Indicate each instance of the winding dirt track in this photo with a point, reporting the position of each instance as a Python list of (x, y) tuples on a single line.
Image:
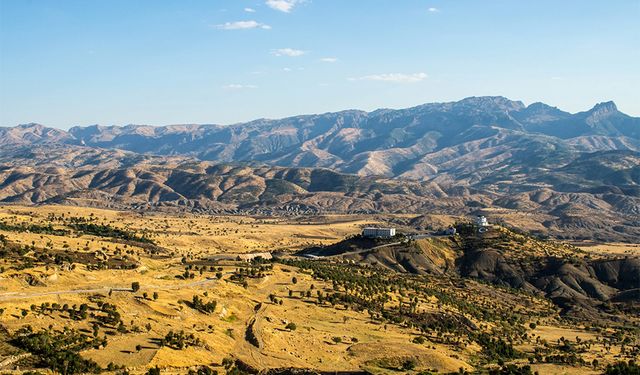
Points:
[(362, 250), (414, 237), (17, 295)]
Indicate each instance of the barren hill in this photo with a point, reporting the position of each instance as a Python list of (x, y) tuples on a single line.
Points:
[(578, 174)]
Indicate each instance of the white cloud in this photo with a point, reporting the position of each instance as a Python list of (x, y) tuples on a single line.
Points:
[(243, 25), (433, 10), (249, 10), (329, 59), (282, 5), (286, 69), (237, 86), (290, 52), (393, 77)]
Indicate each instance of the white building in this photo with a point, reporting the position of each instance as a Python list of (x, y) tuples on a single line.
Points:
[(481, 221), (372, 232)]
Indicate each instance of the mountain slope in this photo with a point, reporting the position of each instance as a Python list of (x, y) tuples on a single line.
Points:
[(417, 143), (126, 179), (601, 204), (577, 283), (578, 174)]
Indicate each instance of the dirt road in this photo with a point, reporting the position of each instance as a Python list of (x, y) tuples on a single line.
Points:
[(105, 289)]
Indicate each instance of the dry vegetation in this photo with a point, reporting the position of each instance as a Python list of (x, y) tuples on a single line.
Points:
[(97, 290)]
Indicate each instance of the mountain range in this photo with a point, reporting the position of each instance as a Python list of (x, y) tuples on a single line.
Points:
[(579, 172), (419, 143)]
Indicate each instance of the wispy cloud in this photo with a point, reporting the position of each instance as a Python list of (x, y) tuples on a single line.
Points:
[(288, 69), (282, 5), (393, 77), (243, 25), (329, 59), (433, 10), (249, 10), (237, 86), (290, 52)]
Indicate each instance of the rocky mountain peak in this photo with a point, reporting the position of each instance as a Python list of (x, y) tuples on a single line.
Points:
[(33, 126), (601, 113), (497, 102), (540, 107), (604, 108)]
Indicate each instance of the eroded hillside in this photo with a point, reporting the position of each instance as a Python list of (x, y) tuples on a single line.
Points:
[(565, 203)]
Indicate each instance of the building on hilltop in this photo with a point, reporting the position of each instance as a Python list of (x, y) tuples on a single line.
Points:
[(371, 232), (482, 221)]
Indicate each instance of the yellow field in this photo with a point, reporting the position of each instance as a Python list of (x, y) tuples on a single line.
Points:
[(200, 234), (326, 338), (310, 345), (624, 249), (197, 236)]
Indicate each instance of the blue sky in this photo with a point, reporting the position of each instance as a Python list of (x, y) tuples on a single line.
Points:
[(66, 63)]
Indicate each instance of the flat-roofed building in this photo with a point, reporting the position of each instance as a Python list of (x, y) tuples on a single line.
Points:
[(372, 232), (482, 221)]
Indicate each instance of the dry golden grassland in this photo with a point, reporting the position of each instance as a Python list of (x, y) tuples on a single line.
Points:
[(249, 322), (200, 234), (623, 249), (223, 332)]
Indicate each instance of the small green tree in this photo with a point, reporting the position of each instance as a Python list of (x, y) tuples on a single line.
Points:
[(291, 326), (228, 362), (135, 286), (409, 364)]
